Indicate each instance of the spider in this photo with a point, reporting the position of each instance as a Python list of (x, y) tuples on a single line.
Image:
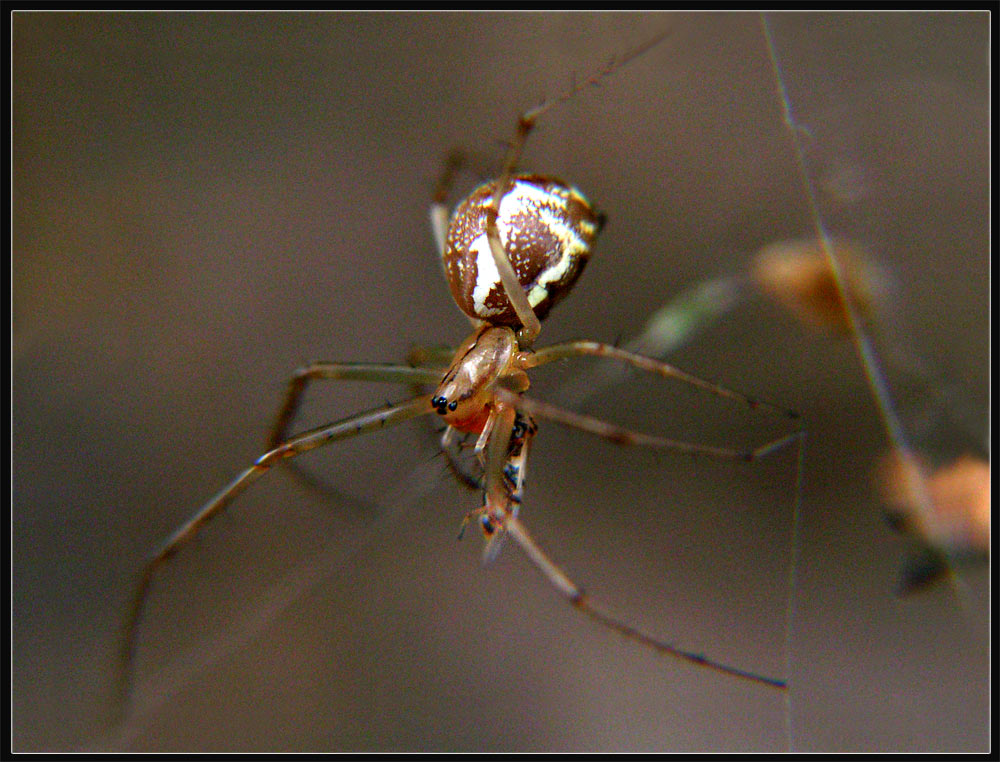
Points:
[(510, 251)]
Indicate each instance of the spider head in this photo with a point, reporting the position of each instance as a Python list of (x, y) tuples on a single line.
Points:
[(487, 358)]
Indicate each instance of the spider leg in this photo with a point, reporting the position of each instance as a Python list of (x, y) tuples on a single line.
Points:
[(484, 436), (439, 226), (501, 511), (530, 326), (658, 367), (439, 214), (514, 472), (623, 436), (438, 357), (482, 443), (439, 209), (451, 447), (378, 372), (499, 506), (361, 423), (575, 595)]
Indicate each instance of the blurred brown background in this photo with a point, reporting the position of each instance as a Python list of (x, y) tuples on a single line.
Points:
[(204, 201)]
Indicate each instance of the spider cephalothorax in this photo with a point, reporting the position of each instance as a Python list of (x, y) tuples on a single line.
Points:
[(489, 357)]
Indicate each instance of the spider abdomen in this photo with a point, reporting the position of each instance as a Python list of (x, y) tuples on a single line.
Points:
[(547, 229)]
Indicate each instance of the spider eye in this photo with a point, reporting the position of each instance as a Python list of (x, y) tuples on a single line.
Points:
[(452, 405), (487, 525)]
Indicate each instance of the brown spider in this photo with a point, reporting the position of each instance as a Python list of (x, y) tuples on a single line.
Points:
[(511, 250)]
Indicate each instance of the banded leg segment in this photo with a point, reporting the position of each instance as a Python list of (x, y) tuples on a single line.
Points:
[(309, 440), (628, 437), (575, 595), (530, 326), (502, 512), (571, 349), (378, 372), (498, 506)]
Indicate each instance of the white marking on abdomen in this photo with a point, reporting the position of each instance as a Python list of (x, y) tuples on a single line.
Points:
[(487, 276)]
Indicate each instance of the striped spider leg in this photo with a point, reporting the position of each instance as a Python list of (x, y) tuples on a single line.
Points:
[(361, 423), (503, 446), (483, 393), (500, 515)]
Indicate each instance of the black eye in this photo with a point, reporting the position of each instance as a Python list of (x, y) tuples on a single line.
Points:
[(452, 406)]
